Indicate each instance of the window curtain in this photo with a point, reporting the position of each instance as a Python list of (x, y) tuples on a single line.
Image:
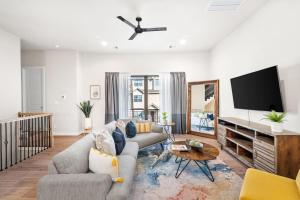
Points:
[(165, 95), (124, 102), (111, 96), (178, 101)]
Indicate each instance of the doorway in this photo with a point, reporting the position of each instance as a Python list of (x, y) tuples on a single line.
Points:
[(33, 89)]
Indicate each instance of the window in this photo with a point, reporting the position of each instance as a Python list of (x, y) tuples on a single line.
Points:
[(144, 97), (138, 83), (137, 98)]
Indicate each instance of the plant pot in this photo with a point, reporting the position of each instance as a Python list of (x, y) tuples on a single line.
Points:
[(276, 127), (87, 123)]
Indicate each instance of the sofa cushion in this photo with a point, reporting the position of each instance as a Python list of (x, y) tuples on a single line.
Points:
[(121, 191), (263, 185), (130, 130), (75, 159), (131, 149), (148, 139), (120, 141)]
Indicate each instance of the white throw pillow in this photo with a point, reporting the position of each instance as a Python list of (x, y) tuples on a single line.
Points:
[(110, 127), (105, 143), (122, 126), (102, 163)]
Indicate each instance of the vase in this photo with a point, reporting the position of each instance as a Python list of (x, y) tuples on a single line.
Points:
[(87, 123), (165, 121), (276, 127)]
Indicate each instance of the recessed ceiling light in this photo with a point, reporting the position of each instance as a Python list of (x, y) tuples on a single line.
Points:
[(171, 46), (104, 43), (57, 46), (182, 41), (116, 47)]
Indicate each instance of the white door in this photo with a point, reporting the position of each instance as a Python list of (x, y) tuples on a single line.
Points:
[(33, 89)]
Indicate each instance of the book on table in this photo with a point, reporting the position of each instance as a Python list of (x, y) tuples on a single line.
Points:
[(179, 147)]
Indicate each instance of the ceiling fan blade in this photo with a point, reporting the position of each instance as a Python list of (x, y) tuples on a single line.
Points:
[(133, 36), (125, 21), (154, 29)]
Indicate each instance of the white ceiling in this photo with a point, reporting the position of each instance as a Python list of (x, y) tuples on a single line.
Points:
[(83, 24)]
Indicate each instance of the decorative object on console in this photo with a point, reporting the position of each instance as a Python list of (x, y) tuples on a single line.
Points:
[(102, 163), (105, 142), (119, 139), (86, 108), (130, 129), (276, 120), (95, 92)]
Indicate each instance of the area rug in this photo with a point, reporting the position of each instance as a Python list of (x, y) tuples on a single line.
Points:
[(159, 182)]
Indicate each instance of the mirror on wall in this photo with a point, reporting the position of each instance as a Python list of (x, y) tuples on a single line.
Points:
[(203, 108)]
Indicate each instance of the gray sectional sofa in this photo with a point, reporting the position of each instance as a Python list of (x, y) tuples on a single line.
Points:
[(69, 177)]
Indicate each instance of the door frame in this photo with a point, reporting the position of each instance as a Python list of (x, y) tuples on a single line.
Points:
[(24, 107), (216, 107)]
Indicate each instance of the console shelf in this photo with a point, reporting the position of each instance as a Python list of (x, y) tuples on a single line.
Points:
[(255, 145)]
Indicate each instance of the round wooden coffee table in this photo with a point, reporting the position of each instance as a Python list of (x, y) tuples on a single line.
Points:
[(200, 158)]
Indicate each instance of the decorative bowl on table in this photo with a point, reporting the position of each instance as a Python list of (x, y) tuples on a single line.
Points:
[(194, 144)]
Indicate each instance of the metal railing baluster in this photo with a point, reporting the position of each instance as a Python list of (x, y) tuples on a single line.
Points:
[(11, 149), (5, 142), (1, 147), (16, 142)]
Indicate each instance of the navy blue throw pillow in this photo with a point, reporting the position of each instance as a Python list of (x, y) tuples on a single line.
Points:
[(119, 140), (130, 129)]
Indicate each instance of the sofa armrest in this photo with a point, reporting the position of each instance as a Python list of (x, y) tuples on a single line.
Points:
[(157, 128), (74, 187)]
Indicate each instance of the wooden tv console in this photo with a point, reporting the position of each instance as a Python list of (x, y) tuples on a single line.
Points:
[(257, 146)]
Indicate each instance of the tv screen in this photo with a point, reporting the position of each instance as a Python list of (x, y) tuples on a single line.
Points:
[(259, 90)]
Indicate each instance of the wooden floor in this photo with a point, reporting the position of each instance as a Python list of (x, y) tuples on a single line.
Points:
[(19, 182)]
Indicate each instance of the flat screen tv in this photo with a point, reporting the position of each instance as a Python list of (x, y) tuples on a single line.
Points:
[(259, 90)]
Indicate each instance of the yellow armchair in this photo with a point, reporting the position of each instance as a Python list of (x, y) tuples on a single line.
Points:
[(260, 185)]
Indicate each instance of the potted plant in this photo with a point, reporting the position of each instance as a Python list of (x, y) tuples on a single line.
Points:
[(86, 108), (276, 120), (164, 117)]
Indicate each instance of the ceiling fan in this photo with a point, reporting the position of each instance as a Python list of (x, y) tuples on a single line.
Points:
[(138, 29)]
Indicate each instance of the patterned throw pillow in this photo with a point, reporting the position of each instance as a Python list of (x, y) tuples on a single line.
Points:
[(120, 141), (143, 127), (102, 163), (130, 130), (105, 142)]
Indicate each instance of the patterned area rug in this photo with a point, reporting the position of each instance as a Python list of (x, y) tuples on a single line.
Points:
[(160, 182)]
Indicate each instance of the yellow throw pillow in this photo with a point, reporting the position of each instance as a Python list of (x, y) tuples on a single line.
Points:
[(143, 127), (102, 163)]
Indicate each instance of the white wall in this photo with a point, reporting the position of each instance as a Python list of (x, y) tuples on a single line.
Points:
[(61, 80), (270, 37), (10, 75), (71, 74), (94, 66)]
